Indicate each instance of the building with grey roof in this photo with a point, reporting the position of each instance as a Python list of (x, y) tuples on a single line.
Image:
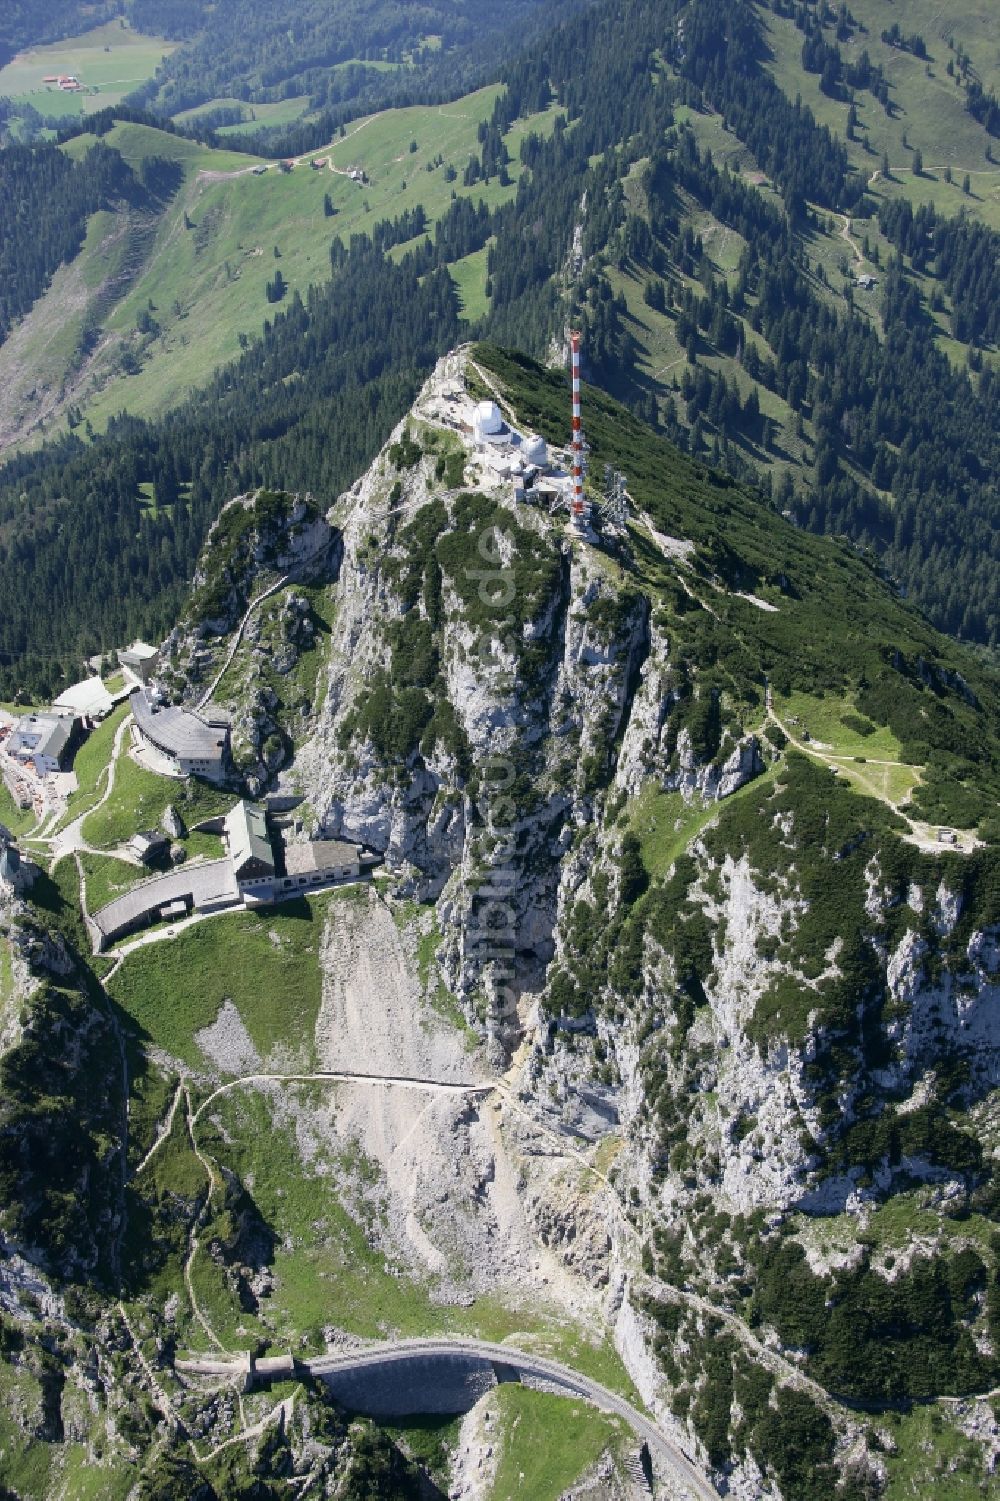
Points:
[(140, 660), (249, 845), (332, 856), (203, 886), (196, 746), (320, 863), (247, 876), (41, 740)]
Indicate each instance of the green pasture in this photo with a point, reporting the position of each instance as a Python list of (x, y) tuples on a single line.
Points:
[(228, 231), (110, 61), (266, 964), (547, 1442), (928, 107), (139, 799)]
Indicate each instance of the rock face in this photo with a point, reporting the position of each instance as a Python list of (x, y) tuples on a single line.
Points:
[(694, 1044), (62, 1110), (172, 823), (772, 1027), (250, 638), (487, 681)]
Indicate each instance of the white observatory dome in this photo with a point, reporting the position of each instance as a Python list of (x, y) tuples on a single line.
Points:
[(487, 419), (535, 451)]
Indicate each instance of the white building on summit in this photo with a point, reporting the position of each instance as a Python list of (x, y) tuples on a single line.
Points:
[(487, 423), (195, 746)]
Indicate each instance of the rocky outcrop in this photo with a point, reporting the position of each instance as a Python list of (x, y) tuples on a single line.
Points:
[(732, 1027), (549, 684), (62, 1110), (258, 542)]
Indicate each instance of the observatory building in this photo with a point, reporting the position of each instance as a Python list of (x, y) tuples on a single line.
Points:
[(488, 425)]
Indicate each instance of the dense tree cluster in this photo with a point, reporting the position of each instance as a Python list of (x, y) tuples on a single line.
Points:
[(720, 53), (893, 407), (983, 105), (305, 408), (889, 415), (869, 1338), (44, 206), (964, 257), (253, 52), (837, 78), (25, 23), (894, 36)]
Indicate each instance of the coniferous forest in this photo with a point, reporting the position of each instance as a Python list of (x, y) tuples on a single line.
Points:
[(906, 443)]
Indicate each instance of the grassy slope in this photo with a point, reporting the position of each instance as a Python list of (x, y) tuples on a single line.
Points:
[(838, 251), (930, 106), (139, 799), (107, 878), (89, 763), (326, 1269), (929, 113), (546, 1443), (110, 61), (18, 820), (205, 284), (318, 1203), (173, 989)]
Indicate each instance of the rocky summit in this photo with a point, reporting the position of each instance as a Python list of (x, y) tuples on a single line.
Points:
[(650, 1031)]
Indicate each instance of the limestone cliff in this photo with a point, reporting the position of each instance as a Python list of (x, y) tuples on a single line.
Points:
[(782, 1007)]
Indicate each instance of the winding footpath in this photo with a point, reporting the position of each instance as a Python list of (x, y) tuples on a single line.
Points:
[(254, 605), (70, 839), (923, 835)]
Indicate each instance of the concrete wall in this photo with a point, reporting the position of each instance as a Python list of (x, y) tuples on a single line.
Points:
[(440, 1381), (422, 1383)]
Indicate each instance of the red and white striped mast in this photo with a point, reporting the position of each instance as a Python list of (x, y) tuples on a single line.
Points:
[(578, 510)]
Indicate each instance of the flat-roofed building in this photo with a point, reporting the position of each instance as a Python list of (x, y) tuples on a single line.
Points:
[(317, 863), (193, 745), (41, 740), (89, 698), (203, 886)]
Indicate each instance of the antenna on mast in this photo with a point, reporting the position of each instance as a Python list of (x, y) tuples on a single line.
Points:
[(579, 510)]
